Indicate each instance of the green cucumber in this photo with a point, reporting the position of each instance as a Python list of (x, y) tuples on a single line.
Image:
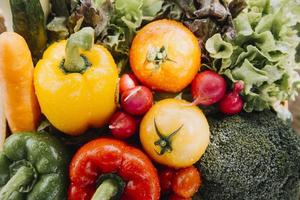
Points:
[(29, 22)]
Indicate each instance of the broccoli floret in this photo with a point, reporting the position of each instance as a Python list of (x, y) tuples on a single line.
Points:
[(251, 156)]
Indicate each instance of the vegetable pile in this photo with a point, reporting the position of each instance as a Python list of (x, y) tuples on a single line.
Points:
[(149, 99)]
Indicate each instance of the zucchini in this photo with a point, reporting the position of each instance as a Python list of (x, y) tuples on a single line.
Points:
[(29, 22)]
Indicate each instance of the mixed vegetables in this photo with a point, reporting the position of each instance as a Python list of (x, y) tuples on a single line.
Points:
[(149, 99)]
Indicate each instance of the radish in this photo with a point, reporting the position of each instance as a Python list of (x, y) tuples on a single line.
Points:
[(232, 103), (122, 125), (208, 87), (127, 82), (137, 101)]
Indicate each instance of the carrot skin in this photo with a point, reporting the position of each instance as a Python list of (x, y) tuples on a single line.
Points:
[(16, 80)]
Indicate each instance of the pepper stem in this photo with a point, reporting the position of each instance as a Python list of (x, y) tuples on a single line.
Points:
[(111, 187), (23, 177), (81, 40)]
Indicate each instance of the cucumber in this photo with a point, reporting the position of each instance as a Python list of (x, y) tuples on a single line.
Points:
[(29, 22)]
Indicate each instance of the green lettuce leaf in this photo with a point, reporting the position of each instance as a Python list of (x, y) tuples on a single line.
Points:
[(262, 55), (218, 48)]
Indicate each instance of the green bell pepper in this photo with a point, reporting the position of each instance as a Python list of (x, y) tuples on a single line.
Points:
[(33, 166)]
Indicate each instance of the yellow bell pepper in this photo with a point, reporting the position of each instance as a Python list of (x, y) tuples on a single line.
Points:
[(75, 83)]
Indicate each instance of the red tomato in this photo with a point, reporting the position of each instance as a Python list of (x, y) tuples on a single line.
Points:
[(186, 182)]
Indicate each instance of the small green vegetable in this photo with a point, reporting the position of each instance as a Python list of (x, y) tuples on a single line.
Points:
[(29, 22), (251, 156), (33, 166)]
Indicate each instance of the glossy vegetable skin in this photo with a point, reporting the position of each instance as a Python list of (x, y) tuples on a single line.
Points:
[(33, 166), (105, 156), (174, 133), (186, 182), (165, 56), (137, 101), (16, 81), (165, 177), (127, 82), (232, 103), (122, 125), (80, 92), (207, 88), (183, 183), (29, 22)]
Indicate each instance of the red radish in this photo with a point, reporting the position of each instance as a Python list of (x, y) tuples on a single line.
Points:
[(127, 82), (208, 87), (232, 103), (122, 125), (137, 101)]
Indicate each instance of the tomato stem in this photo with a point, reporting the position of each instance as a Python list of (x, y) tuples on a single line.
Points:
[(157, 56), (165, 142), (81, 40)]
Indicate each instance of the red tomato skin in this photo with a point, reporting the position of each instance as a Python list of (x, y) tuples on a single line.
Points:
[(186, 182)]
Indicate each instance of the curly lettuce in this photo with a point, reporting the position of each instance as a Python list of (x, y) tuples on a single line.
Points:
[(262, 54)]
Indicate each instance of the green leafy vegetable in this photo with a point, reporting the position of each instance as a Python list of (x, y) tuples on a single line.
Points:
[(207, 17), (115, 22), (262, 54)]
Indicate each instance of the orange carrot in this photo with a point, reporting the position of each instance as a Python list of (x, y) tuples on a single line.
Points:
[(16, 80)]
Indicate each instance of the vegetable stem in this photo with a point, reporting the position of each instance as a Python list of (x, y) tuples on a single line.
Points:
[(106, 191), (158, 55), (81, 40), (23, 177)]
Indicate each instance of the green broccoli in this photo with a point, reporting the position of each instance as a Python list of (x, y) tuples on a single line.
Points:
[(251, 156)]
